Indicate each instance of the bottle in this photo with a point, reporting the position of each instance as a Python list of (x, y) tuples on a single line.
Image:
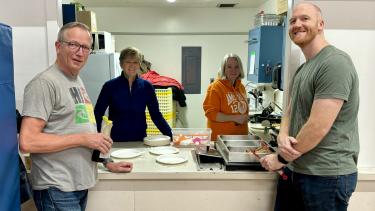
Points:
[(106, 130)]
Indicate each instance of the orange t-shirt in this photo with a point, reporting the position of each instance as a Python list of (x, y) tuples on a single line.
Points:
[(223, 97)]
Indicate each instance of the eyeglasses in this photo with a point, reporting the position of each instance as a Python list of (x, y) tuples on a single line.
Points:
[(75, 46)]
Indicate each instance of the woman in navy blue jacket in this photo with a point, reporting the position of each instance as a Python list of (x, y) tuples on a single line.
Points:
[(126, 98)]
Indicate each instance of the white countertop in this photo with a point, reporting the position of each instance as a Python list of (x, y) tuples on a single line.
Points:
[(147, 162), (146, 167)]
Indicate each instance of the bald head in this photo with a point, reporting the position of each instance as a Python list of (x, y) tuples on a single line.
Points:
[(316, 9), (306, 28)]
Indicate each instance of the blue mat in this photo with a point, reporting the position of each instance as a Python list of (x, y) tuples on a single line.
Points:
[(9, 168)]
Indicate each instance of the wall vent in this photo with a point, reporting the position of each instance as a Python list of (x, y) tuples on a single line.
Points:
[(226, 5)]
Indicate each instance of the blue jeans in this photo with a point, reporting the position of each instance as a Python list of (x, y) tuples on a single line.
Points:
[(53, 199), (316, 193)]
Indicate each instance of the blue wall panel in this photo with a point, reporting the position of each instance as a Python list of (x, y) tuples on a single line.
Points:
[(9, 169)]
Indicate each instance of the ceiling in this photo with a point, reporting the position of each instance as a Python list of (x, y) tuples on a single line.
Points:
[(163, 3)]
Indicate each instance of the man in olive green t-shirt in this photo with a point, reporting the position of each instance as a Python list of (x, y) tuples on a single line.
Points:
[(318, 139)]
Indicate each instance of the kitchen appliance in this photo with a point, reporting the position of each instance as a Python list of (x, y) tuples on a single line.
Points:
[(265, 50), (102, 42), (266, 115), (235, 149), (99, 69)]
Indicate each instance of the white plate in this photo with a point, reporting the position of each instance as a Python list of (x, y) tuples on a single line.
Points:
[(163, 150), (126, 153), (171, 159), (157, 140)]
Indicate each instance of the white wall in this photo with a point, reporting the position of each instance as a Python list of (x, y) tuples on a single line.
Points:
[(172, 20), (29, 56), (161, 32), (165, 54), (269, 7), (34, 30), (360, 45)]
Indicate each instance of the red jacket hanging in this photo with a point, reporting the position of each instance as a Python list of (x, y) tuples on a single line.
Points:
[(159, 80)]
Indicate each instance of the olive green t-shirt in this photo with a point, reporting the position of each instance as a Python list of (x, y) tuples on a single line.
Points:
[(329, 75)]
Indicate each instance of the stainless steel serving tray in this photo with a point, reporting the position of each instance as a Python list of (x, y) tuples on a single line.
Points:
[(234, 148)]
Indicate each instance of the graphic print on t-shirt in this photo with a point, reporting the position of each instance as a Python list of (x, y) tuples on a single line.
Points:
[(236, 102), (84, 111)]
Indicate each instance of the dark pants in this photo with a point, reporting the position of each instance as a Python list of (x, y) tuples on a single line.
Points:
[(316, 193), (53, 199)]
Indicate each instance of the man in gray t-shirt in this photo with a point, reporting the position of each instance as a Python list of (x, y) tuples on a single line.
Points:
[(318, 139), (59, 128)]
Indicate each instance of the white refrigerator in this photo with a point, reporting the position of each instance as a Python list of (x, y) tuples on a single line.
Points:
[(99, 69)]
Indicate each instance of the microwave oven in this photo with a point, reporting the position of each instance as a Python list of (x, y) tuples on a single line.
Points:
[(102, 42)]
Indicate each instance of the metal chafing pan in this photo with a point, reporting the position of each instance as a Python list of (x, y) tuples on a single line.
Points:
[(235, 148)]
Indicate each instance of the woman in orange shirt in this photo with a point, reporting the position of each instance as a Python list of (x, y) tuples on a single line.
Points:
[(225, 105)]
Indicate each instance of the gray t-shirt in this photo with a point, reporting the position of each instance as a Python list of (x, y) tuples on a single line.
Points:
[(63, 103), (329, 75)]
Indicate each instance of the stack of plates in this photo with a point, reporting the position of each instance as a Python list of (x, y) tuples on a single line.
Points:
[(157, 140)]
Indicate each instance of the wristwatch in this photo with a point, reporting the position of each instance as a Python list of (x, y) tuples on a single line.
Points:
[(281, 159), (106, 161)]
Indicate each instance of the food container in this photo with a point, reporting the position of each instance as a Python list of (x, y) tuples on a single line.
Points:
[(192, 137), (236, 148)]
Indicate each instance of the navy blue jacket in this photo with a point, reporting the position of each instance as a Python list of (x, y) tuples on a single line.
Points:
[(127, 109)]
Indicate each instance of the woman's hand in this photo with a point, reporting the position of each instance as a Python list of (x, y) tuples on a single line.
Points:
[(241, 119)]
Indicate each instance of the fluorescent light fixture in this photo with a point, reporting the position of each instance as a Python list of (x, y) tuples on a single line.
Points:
[(171, 1)]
